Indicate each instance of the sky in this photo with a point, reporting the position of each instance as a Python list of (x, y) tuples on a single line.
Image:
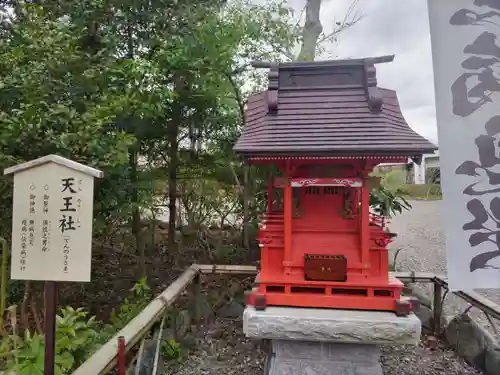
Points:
[(390, 27)]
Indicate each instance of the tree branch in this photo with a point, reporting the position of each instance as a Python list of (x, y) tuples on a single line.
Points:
[(312, 30), (238, 97), (351, 18)]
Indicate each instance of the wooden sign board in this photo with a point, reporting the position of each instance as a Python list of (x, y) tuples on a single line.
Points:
[(52, 220)]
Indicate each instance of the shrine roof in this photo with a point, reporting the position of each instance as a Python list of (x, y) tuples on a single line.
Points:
[(329, 108)]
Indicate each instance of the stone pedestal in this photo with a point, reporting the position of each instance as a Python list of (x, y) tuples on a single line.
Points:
[(311, 358), (327, 342)]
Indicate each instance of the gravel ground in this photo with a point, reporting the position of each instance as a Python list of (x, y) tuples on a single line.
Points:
[(421, 236), (420, 360), (223, 349)]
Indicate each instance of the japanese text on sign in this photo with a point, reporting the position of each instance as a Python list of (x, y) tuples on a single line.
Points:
[(24, 254), (69, 217)]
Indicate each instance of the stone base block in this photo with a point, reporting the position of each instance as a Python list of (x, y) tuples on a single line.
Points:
[(328, 325), (316, 358)]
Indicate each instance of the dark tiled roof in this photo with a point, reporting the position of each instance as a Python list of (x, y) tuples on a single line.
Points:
[(327, 108)]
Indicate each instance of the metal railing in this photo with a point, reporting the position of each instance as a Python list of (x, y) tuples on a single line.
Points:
[(152, 317)]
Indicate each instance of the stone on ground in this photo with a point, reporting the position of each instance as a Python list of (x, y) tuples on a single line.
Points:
[(230, 310)]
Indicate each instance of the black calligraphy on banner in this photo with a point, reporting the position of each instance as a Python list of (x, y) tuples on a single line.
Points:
[(471, 17), (468, 17), (473, 89), (486, 227), (470, 92), (486, 222), (488, 159)]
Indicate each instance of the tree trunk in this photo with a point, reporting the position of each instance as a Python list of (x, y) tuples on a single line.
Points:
[(312, 31), (24, 305), (134, 181), (136, 217), (3, 279), (173, 156)]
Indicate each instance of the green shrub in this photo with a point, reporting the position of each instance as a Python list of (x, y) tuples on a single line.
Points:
[(394, 179), (172, 349), (227, 252), (15, 291), (387, 203), (77, 337), (140, 295), (422, 191)]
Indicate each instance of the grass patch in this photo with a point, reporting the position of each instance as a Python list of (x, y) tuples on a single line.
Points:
[(392, 180), (424, 191), (395, 181)]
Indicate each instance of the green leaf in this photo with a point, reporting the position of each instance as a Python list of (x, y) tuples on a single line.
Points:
[(65, 360)]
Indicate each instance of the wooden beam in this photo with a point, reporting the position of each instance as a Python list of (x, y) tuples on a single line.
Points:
[(226, 269), (104, 359), (482, 303)]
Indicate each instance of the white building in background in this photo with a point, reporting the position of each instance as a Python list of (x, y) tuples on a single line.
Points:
[(419, 171), (417, 174)]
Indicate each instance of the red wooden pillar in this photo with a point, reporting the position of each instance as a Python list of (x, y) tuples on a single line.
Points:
[(287, 213), (365, 227)]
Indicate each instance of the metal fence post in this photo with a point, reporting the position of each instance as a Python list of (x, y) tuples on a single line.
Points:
[(437, 308), (196, 302)]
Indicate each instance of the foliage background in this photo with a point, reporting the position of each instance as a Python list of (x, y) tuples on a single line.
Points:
[(152, 93)]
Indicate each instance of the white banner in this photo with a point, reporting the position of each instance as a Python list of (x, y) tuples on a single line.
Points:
[(465, 38)]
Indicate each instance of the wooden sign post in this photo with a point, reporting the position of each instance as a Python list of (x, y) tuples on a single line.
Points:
[(52, 229)]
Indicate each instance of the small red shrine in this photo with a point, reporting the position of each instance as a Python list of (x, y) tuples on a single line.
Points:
[(325, 125)]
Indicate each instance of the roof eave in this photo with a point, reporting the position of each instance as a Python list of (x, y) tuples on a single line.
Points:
[(327, 153), (56, 159)]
